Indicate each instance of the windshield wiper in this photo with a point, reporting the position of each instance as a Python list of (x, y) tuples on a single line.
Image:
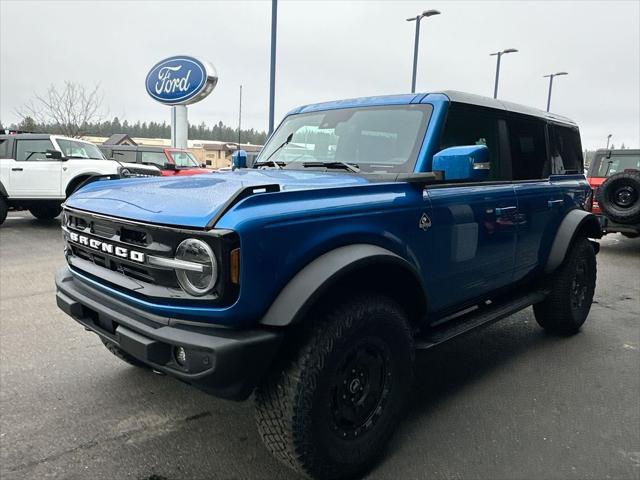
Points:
[(352, 167), (268, 160)]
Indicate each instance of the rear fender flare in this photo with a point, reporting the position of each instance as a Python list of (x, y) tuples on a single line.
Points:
[(576, 223)]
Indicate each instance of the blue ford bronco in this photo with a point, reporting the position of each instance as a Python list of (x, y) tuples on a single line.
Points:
[(366, 229)]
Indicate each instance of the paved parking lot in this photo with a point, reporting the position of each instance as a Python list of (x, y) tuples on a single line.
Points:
[(509, 402)]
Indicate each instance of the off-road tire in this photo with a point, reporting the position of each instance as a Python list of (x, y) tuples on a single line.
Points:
[(4, 208), (47, 211), (297, 405), (122, 355), (572, 287), (619, 197)]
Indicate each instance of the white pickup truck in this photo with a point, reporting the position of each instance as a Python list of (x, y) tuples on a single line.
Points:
[(39, 171)]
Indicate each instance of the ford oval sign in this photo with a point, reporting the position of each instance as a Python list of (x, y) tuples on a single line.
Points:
[(181, 80)]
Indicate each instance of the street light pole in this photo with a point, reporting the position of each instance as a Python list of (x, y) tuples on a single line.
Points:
[(608, 138), (426, 13), (272, 77), (499, 57), (550, 76)]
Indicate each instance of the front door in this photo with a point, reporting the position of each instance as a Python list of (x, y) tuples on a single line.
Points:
[(470, 247), (31, 173)]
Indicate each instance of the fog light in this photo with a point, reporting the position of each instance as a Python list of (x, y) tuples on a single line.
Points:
[(181, 356)]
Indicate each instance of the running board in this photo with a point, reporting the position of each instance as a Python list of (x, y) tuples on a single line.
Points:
[(479, 317)]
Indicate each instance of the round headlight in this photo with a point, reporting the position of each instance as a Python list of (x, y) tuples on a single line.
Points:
[(193, 282)]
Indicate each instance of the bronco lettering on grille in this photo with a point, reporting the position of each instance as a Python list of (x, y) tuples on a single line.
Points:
[(109, 248)]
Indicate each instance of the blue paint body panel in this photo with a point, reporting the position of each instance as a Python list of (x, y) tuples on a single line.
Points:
[(482, 238)]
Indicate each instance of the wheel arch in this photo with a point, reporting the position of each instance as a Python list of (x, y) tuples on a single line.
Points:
[(575, 224), (77, 180), (366, 266), (3, 191)]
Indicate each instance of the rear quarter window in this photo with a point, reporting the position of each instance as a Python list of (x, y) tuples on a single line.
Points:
[(566, 150)]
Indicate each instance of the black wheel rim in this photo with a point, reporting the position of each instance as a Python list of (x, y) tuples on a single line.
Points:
[(579, 286), (360, 388), (624, 196)]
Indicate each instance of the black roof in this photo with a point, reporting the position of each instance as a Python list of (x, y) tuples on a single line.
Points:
[(132, 148)]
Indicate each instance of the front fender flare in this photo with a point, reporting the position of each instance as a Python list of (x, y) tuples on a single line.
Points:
[(295, 299), (575, 222)]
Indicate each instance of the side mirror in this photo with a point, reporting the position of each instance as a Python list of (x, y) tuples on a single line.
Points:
[(469, 163), (203, 165), (169, 166), (239, 159), (54, 155)]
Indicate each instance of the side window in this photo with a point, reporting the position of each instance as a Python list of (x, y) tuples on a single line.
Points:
[(528, 149), (3, 148), (124, 155), (32, 150), (470, 126), (154, 158), (566, 149)]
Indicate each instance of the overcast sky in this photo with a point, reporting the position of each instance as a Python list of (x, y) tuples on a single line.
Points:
[(330, 50)]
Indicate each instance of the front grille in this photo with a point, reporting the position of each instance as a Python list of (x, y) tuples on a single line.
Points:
[(94, 258)]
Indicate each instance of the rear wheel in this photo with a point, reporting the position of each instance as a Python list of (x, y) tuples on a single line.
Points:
[(4, 208), (46, 211), (573, 285), (122, 355), (330, 411)]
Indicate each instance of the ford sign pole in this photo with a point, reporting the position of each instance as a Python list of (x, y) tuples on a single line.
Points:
[(180, 81), (179, 127)]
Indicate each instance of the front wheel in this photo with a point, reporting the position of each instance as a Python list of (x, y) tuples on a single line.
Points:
[(4, 208), (572, 288), (47, 211), (330, 411)]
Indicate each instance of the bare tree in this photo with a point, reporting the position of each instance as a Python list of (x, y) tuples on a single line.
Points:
[(70, 109)]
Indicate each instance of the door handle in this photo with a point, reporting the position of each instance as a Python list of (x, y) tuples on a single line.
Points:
[(553, 203), (505, 210), (17, 169)]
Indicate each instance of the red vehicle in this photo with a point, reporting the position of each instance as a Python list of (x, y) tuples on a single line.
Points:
[(170, 161), (614, 176)]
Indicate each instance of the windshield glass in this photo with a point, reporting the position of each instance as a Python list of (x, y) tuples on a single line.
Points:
[(183, 159), (76, 149), (376, 139), (605, 167)]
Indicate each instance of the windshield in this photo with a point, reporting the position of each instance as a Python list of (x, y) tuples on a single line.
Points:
[(76, 149), (605, 167), (183, 159), (376, 139)]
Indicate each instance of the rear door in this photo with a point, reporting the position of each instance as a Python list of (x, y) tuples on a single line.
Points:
[(31, 173), (541, 200)]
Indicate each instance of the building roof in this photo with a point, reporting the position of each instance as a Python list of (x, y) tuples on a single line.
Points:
[(119, 139)]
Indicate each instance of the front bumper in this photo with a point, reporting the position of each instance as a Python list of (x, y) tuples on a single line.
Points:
[(224, 362), (611, 227)]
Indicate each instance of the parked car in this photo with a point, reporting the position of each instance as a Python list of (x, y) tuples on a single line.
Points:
[(170, 161), (614, 176), (311, 278), (38, 171)]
